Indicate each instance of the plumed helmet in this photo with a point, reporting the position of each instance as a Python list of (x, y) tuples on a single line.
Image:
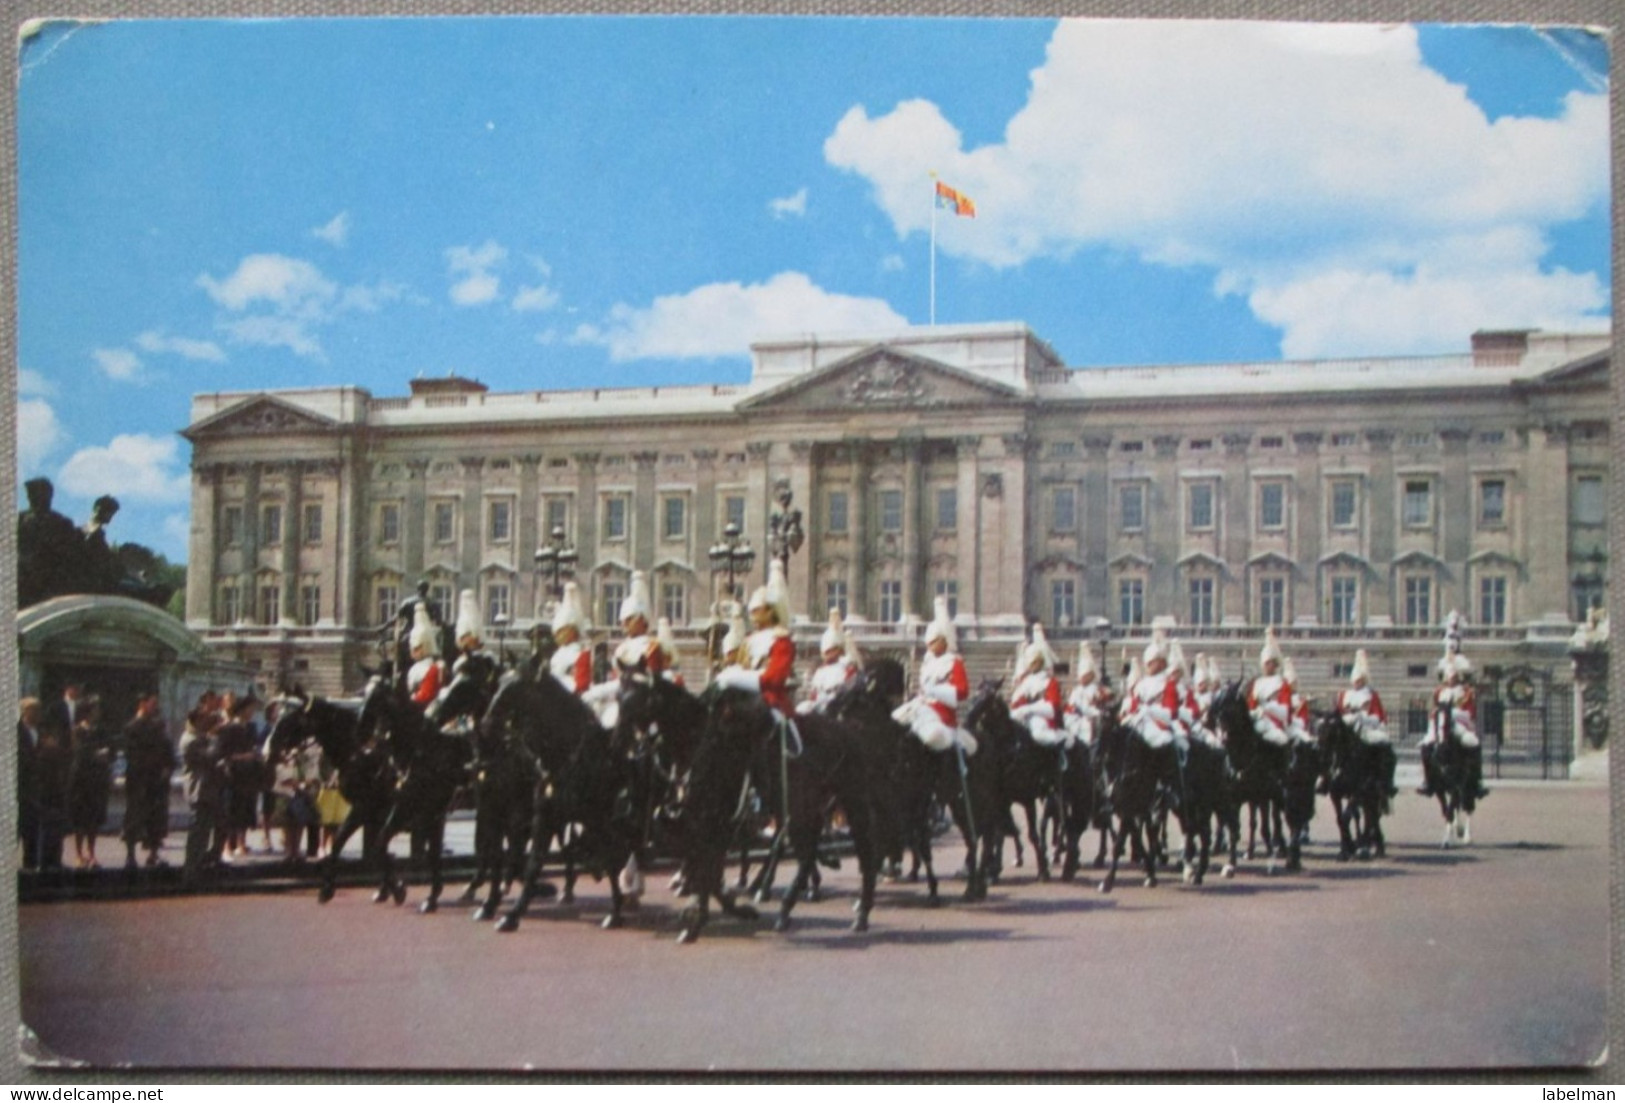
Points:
[(834, 637), (1157, 648), (468, 617), (1289, 673), (424, 635), (569, 614), (1199, 670), (775, 595), (1361, 670), (1215, 676), (1086, 661), (667, 639), (636, 602), (941, 626), (1271, 651), (1135, 673), (1176, 657)]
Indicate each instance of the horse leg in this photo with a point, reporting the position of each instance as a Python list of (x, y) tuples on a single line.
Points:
[(1035, 836), (437, 839), (857, 818), (351, 824), (533, 865), (804, 845), (1118, 833)]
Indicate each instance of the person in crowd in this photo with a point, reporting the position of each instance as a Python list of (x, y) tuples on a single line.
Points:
[(90, 782), (204, 782), (238, 743), (42, 779), (149, 764), (296, 782)]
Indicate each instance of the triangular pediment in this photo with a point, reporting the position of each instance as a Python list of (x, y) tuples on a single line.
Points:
[(884, 378), (260, 416), (1586, 370)]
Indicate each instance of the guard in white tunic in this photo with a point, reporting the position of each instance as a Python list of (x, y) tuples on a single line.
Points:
[(1153, 712), (933, 714), (1269, 698), (1086, 705), (571, 664), (838, 670), (1361, 709), (639, 645), (426, 674), (1036, 702), (1456, 701)]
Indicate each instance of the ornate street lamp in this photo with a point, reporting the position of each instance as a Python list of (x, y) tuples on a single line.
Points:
[(732, 554), (1101, 628), (784, 532), (557, 559), (501, 621)]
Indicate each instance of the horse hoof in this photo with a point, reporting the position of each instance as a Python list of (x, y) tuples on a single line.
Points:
[(1228, 871), (380, 896), (812, 896), (399, 894), (483, 914), (428, 907), (1189, 877), (324, 894), (781, 924), (508, 925), (687, 937), (1104, 887), (860, 924), (611, 922), (1150, 882)]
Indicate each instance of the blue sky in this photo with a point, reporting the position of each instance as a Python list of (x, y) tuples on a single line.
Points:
[(558, 202)]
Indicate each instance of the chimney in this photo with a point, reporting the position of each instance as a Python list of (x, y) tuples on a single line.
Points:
[(1500, 348), (447, 384)]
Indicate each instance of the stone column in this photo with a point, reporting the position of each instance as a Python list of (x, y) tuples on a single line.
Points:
[(292, 538), (758, 504), (971, 537), (911, 544), (1164, 526), (468, 564), (1456, 520), (646, 513), (800, 573), (1237, 521), (707, 530), (1547, 504), (528, 536), (251, 543), (1309, 521), (1382, 520), (857, 583), (1017, 527), (203, 552), (1095, 514), (349, 531), (329, 567), (586, 464), (415, 522)]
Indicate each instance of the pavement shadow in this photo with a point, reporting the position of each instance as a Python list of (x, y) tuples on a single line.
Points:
[(830, 933), (1089, 899), (1432, 857)]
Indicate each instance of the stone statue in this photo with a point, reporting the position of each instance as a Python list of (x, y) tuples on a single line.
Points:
[(49, 548)]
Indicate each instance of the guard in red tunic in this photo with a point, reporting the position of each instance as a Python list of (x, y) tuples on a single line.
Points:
[(933, 714), (770, 653), (839, 669), (1086, 705), (427, 672), (1361, 709), (571, 664), (1456, 700), (1036, 703)]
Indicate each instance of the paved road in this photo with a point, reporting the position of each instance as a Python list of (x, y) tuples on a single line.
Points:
[(1492, 956)]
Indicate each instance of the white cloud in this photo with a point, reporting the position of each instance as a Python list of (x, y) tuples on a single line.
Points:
[(38, 433), (892, 262), (722, 319), (132, 465), (266, 331), (120, 364), (31, 382), (287, 284), (369, 298), (156, 342), (177, 530), (540, 297), (790, 206), (336, 232), (477, 283), (1332, 150)]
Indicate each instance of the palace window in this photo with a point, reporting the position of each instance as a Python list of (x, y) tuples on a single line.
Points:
[(313, 523), (733, 511), (1202, 444), (1199, 498), (445, 522), (386, 597), (1200, 592), (615, 518), (557, 511), (1418, 504), (271, 524), (497, 602), (231, 605), (389, 523), (1271, 443), (1418, 596), (310, 605), (1492, 437), (947, 508), (674, 518), (1132, 446), (1131, 601), (948, 590), (231, 525), (1063, 602), (1272, 600), (1271, 506), (891, 601), (835, 596), (674, 602), (1345, 504), (1492, 600), (1063, 509), (270, 605), (1589, 507), (612, 594), (891, 511), (441, 601), (1063, 448), (1344, 440), (1131, 507), (500, 529), (837, 521), (1344, 597), (1492, 503)]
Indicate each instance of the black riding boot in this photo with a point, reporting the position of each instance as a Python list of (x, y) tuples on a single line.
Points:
[(1429, 783), (1387, 762)]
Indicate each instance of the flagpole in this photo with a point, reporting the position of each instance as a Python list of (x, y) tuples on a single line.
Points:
[(933, 248)]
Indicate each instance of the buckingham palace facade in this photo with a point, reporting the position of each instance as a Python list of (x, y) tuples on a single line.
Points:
[(1349, 502)]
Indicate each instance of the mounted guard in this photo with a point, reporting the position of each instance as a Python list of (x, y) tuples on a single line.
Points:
[(1036, 702), (839, 669), (1361, 709), (1089, 700), (1153, 712), (1454, 702), (571, 662), (427, 673), (933, 714), (1269, 697)]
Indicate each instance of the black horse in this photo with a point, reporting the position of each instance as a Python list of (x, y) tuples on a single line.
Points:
[(578, 780), (1358, 777), (1455, 780), (1208, 800), (1258, 772), (366, 775), (1129, 778), (432, 766)]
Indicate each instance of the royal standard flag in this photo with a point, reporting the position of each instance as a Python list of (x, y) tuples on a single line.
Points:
[(957, 202)]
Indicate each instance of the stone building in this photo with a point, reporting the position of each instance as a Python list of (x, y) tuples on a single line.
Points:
[(1350, 502)]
